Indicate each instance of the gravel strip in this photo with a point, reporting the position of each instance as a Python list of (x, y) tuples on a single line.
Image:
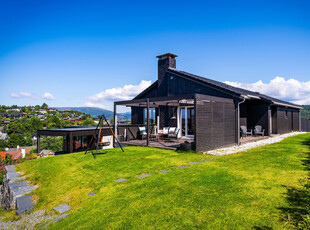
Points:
[(27, 221), (247, 146)]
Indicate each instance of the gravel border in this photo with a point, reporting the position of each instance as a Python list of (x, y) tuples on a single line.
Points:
[(250, 145)]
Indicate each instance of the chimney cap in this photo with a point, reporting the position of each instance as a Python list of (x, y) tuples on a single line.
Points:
[(166, 55)]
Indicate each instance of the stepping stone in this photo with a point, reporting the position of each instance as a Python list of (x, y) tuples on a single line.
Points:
[(143, 175), (182, 167), (165, 171), (207, 159), (10, 168), (56, 220), (194, 163), (62, 208), (121, 180), (91, 194), (24, 204), (20, 191), (17, 185)]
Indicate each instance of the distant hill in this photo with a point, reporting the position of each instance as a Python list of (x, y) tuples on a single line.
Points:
[(94, 112), (305, 112)]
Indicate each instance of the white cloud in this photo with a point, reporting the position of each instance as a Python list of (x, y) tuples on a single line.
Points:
[(47, 96), (105, 98), (291, 90)]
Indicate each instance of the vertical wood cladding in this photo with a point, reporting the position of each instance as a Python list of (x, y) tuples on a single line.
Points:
[(180, 86), (287, 120), (136, 115), (165, 115), (215, 125), (305, 125), (274, 119)]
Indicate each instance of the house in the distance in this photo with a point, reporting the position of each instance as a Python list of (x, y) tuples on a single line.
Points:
[(205, 110)]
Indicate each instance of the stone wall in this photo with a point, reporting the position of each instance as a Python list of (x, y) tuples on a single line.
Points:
[(13, 192)]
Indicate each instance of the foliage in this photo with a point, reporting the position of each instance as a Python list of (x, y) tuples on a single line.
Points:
[(305, 112), (3, 144), (240, 191), (52, 143), (44, 106)]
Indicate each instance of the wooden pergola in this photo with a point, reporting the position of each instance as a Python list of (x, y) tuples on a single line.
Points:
[(71, 132), (170, 101)]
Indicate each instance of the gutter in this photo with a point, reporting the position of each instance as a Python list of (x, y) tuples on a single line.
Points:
[(238, 125)]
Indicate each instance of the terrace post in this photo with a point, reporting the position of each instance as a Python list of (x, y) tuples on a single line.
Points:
[(115, 124), (38, 144), (70, 142), (148, 122)]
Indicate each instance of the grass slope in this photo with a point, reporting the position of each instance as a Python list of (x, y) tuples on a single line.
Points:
[(240, 191)]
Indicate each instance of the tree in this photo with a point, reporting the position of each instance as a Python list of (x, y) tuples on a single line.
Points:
[(52, 143), (37, 107), (44, 106)]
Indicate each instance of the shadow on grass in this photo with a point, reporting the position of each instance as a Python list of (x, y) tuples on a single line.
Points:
[(296, 213)]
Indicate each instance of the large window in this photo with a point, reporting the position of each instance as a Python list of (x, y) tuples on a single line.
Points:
[(152, 116)]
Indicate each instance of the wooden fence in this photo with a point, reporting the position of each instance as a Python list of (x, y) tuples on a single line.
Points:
[(305, 125)]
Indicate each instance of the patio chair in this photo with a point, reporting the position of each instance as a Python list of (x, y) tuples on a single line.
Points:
[(245, 131), (142, 132), (259, 130), (173, 132), (154, 134)]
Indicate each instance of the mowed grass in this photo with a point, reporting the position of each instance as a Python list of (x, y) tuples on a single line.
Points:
[(239, 191)]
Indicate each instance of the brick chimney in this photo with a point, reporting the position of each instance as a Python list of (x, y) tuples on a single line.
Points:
[(164, 62)]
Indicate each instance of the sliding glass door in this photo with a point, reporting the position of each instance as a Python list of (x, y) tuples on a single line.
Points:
[(187, 124)]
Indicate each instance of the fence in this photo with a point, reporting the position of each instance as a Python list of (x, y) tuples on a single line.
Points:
[(305, 125)]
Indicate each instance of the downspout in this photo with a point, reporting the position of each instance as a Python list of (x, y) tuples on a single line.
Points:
[(239, 119)]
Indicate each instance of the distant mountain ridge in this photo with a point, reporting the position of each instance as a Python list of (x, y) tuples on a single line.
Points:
[(94, 112)]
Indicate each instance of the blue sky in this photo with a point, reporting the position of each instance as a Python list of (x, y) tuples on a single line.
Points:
[(77, 53)]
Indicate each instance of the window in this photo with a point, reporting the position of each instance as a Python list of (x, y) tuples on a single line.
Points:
[(152, 116)]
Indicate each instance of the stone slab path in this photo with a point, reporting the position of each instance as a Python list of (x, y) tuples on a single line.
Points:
[(62, 208), (13, 190), (143, 175)]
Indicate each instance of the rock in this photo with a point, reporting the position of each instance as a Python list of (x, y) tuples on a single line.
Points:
[(165, 171), (62, 208), (207, 159), (24, 204), (10, 168), (91, 194), (194, 163), (120, 180), (182, 167), (56, 220), (143, 175)]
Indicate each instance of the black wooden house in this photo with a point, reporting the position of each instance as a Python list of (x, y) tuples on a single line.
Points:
[(208, 111)]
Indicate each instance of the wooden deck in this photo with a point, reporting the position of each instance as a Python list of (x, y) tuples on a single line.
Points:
[(163, 144), (174, 144)]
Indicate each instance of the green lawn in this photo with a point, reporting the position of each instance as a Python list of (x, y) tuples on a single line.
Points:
[(239, 191)]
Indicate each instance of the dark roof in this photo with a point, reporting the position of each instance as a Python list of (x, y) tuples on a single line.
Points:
[(231, 89)]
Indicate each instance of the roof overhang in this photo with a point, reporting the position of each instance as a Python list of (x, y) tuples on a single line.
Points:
[(286, 105)]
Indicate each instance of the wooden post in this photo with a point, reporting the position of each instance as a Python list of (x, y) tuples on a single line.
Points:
[(70, 142), (148, 122), (115, 125), (38, 144)]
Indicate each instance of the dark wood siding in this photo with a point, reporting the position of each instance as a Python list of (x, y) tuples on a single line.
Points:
[(181, 86), (136, 115), (305, 125), (215, 125), (287, 120)]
